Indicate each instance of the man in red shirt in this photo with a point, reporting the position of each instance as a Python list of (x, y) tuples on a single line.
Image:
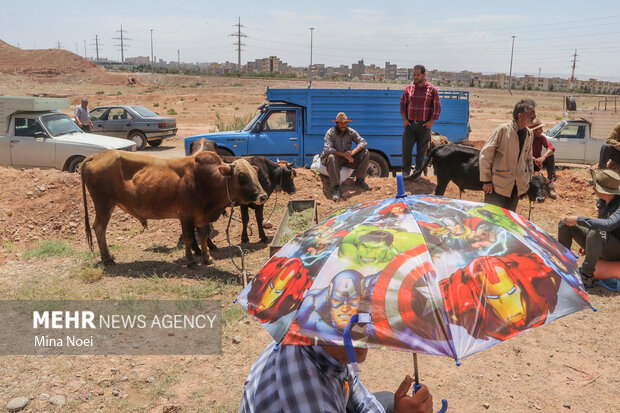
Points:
[(548, 159), (420, 108)]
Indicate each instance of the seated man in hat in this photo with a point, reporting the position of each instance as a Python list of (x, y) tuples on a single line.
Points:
[(598, 238), (299, 378), (337, 153), (610, 151), (548, 159)]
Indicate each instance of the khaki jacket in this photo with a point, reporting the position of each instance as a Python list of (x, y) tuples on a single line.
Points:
[(499, 163)]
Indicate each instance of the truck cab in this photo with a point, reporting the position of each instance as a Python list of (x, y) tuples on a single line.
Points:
[(573, 143), (35, 134)]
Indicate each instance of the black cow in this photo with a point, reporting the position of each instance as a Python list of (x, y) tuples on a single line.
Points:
[(461, 165), (272, 177)]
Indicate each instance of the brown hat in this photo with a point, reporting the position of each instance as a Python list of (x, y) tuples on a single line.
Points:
[(614, 137), (536, 123), (606, 181), (342, 117)]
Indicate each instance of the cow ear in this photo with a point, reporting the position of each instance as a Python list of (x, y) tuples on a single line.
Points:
[(227, 169)]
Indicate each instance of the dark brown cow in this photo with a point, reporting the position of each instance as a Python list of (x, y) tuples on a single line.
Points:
[(194, 189)]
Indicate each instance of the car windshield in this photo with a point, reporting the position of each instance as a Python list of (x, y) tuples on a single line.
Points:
[(556, 129), (59, 124), (249, 125), (144, 112)]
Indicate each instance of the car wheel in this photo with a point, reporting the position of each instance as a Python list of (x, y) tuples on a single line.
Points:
[(139, 139), (76, 164), (156, 142), (377, 166)]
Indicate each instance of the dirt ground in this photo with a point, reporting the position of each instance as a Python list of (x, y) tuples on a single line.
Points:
[(571, 364)]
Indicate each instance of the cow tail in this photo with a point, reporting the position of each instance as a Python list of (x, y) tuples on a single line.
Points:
[(428, 159), (89, 234)]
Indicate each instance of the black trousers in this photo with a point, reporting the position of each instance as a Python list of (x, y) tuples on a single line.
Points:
[(85, 128), (501, 201), (598, 245), (414, 134), (608, 152), (549, 165)]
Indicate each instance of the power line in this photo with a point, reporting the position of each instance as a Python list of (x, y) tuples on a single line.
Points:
[(238, 43), (122, 46)]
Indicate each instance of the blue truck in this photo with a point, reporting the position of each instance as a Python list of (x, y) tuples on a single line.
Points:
[(291, 126)]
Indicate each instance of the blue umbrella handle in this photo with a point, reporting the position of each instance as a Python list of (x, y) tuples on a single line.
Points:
[(444, 402)]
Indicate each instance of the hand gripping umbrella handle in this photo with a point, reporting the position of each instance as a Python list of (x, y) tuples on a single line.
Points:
[(444, 402)]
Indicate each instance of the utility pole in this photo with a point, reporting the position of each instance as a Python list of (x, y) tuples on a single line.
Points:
[(77, 51), (179, 60), (572, 76), (510, 75), (85, 54), (152, 51), (238, 43), (59, 44), (310, 68), (123, 39), (97, 47)]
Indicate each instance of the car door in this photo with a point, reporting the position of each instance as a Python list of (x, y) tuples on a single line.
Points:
[(28, 150), (278, 137), (117, 123), (570, 143), (98, 116)]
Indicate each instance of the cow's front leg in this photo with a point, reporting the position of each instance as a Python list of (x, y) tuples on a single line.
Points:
[(259, 221), (188, 239), (203, 235), (245, 218)]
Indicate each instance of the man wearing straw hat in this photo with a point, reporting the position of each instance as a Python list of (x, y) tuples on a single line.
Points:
[(597, 238), (337, 153), (546, 160)]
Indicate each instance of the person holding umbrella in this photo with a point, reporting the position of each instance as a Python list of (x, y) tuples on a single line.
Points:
[(297, 378), (597, 238)]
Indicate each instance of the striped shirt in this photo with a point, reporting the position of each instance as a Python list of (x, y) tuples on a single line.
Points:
[(304, 379), (420, 103)]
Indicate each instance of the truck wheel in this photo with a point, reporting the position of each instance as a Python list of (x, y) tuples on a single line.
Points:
[(377, 166), (139, 139), (156, 142), (76, 164)]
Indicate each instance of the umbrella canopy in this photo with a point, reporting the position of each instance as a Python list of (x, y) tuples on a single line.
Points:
[(435, 275)]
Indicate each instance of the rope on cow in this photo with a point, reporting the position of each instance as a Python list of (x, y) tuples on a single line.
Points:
[(241, 269)]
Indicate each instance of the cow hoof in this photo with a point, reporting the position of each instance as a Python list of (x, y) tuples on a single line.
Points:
[(108, 261), (245, 240), (264, 240), (192, 264)]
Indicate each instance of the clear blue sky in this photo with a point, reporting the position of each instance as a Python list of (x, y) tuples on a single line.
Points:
[(444, 35)]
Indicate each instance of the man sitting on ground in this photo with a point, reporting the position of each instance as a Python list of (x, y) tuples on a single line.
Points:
[(548, 159), (598, 238), (303, 379), (337, 153), (610, 151)]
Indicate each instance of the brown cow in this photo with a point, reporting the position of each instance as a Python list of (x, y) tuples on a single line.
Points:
[(194, 189)]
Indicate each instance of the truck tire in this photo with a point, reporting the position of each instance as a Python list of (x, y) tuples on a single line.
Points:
[(377, 166), (156, 142), (76, 164), (224, 152), (139, 138)]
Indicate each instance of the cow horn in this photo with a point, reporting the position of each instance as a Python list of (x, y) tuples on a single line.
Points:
[(292, 163)]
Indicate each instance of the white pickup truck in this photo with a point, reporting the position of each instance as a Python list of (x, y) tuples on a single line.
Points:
[(35, 134), (579, 139)]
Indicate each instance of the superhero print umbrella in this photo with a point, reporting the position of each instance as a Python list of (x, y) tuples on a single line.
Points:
[(424, 274)]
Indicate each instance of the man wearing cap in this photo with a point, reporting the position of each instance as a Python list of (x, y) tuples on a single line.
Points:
[(82, 116), (419, 108), (597, 238), (611, 149), (548, 159), (337, 153)]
